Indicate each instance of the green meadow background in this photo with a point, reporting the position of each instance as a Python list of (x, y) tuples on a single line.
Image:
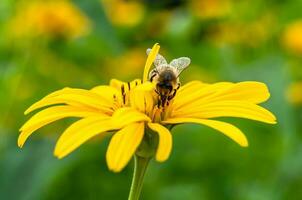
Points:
[(48, 45)]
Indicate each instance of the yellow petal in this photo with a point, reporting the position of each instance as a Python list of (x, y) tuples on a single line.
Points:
[(190, 87), (228, 129), (193, 94), (81, 131), (227, 109), (108, 92), (165, 142), (151, 57), (141, 99), (146, 86), (127, 85), (79, 97), (251, 91), (197, 93), (125, 116), (117, 84), (123, 145), (48, 116), (133, 84)]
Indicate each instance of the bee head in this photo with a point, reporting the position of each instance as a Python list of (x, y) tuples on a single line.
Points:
[(165, 86), (165, 82)]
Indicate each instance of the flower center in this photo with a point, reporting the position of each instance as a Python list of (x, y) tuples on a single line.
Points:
[(126, 88), (146, 99)]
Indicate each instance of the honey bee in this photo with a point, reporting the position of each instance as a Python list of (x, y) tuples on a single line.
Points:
[(166, 77)]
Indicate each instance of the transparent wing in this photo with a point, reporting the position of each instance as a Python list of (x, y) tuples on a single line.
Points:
[(180, 63), (159, 60)]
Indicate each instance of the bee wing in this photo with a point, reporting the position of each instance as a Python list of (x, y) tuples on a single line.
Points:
[(159, 60), (180, 63)]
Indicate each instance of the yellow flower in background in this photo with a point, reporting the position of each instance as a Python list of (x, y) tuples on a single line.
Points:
[(123, 13), (131, 111), (251, 34), (49, 18), (294, 93), (292, 37), (131, 61), (207, 9)]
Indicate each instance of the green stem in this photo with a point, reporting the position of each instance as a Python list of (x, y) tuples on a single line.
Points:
[(140, 166)]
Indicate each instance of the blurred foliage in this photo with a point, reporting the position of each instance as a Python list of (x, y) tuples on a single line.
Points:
[(48, 45)]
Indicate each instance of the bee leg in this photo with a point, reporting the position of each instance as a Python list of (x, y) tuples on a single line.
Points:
[(158, 103), (173, 95), (163, 100), (163, 103), (178, 86)]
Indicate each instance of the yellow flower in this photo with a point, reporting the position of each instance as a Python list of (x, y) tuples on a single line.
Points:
[(208, 9), (140, 126), (51, 19), (124, 13), (250, 34), (132, 60), (294, 93), (292, 39)]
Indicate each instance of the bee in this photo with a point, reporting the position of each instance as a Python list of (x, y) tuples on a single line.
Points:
[(166, 77)]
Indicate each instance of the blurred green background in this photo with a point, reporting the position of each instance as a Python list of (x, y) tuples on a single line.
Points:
[(48, 45)]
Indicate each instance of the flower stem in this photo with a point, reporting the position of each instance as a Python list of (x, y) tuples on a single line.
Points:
[(140, 166)]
